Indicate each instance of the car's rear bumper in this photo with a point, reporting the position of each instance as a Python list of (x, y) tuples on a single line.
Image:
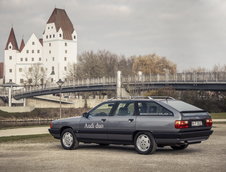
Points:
[(190, 137), (55, 132)]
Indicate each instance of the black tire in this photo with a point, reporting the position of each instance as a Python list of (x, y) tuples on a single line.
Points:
[(179, 147), (146, 142), (68, 139), (103, 144)]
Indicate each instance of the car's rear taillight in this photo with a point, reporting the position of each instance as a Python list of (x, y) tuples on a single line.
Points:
[(181, 124), (209, 122), (51, 125)]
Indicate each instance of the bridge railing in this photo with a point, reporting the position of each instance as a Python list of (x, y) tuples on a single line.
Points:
[(178, 77), (153, 78)]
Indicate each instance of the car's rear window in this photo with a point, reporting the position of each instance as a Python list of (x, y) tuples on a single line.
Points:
[(181, 106)]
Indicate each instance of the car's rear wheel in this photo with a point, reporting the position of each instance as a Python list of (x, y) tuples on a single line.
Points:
[(145, 143), (179, 147), (68, 139)]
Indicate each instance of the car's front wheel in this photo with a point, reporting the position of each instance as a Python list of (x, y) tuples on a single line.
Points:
[(179, 147), (68, 139), (145, 143)]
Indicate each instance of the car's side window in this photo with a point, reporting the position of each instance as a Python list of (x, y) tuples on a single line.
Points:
[(125, 109), (152, 108), (102, 110)]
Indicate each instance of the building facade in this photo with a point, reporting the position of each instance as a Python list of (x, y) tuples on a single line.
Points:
[(44, 60)]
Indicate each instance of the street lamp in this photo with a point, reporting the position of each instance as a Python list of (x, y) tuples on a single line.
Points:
[(60, 83)]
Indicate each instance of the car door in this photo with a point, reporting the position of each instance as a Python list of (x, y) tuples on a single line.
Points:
[(122, 123), (94, 127)]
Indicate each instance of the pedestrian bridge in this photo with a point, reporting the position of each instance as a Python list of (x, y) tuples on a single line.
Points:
[(181, 81)]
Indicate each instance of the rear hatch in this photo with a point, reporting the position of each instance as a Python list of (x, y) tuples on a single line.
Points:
[(192, 117), (197, 120)]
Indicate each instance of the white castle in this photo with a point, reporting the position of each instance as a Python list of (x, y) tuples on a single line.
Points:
[(44, 60)]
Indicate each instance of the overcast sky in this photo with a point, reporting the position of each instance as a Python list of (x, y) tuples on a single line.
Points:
[(190, 33)]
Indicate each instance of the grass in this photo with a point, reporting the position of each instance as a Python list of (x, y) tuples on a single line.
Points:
[(219, 115), (40, 138)]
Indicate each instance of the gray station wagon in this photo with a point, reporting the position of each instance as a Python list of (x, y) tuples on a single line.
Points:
[(144, 123)]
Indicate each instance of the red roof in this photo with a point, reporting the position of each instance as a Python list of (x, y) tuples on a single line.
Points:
[(61, 20), (22, 44), (12, 40)]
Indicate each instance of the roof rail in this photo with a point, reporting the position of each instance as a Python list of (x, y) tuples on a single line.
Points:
[(132, 97), (162, 97), (144, 97)]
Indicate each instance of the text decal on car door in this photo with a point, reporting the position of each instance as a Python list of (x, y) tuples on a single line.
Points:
[(92, 125)]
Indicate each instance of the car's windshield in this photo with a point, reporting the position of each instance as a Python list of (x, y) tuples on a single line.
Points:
[(181, 106)]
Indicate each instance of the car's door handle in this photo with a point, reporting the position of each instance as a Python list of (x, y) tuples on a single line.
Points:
[(103, 120), (131, 120)]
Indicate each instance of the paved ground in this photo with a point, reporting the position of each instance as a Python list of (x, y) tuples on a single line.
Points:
[(24, 131), (207, 156)]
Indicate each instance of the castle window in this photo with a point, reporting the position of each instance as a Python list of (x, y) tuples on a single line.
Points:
[(74, 37), (20, 69), (38, 51), (10, 57), (10, 47), (48, 27), (52, 68), (32, 59), (65, 58), (32, 51), (50, 44), (53, 58), (65, 44), (65, 51), (26, 59), (10, 70), (21, 81), (52, 27), (33, 43), (51, 79), (46, 36), (65, 68), (50, 36), (53, 35), (27, 51), (60, 35), (30, 81), (40, 58), (10, 80), (49, 51), (21, 59)]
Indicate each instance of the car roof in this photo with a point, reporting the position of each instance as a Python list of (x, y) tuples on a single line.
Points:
[(178, 105)]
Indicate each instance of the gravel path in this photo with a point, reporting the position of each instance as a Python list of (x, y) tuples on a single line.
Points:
[(208, 156)]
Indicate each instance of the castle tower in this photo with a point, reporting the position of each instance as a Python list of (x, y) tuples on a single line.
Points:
[(59, 45), (10, 57)]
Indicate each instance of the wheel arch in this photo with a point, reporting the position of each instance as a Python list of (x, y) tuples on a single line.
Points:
[(63, 128), (140, 131)]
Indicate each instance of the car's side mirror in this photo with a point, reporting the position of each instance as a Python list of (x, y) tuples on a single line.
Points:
[(85, 115)]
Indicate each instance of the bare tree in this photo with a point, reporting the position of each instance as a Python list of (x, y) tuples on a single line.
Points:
[(35, 75), (100, 64)]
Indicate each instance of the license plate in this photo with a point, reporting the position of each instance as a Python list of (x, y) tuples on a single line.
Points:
[(196, 123)]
